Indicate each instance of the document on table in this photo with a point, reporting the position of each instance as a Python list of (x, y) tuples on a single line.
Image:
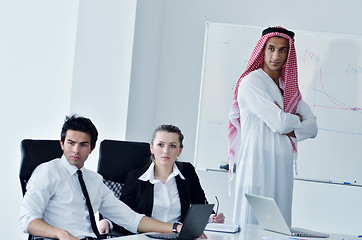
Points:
[(220, 227)]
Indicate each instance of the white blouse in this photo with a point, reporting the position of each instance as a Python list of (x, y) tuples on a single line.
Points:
[(166, 200)]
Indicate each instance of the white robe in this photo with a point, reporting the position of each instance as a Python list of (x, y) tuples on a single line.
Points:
[(265, 156)]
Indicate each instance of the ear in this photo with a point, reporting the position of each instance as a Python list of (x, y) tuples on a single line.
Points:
[(179, 153), (151, 148), (61, 144), (92, 149)]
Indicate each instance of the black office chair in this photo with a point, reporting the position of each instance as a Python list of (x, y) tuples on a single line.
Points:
[(34, 153), (116, 159)]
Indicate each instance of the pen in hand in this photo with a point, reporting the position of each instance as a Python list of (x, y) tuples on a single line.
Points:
[(217, 205)]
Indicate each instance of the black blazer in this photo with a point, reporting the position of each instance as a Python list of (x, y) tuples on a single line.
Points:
[(138, 194)]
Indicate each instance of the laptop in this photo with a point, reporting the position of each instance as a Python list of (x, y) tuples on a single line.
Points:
[(193, 226), (270, 218)]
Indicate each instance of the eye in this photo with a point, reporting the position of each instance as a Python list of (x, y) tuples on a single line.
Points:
[(160, 144), (173, 145)]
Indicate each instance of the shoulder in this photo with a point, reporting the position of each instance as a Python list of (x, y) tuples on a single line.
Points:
[(136, 173), (185, 167), (256, 77), (47, 173), (92, 174), (255, 82), (50, 167)]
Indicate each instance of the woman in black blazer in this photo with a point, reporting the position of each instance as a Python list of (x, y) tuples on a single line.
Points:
[(166, 187)]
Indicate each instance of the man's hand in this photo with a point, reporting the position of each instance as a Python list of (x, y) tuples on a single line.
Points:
[(300, 117), (103, 226), (290, 134), (67, 236)]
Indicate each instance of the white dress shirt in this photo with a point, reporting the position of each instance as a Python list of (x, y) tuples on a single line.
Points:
[(54, 195), (166, 200)]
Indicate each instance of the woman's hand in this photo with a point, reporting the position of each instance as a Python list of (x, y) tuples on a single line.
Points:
[(203, 236), (218, 218), (103, 226)]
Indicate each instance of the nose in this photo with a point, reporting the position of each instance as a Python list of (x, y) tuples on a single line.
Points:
[(275, 55), (165, 149), (76, 148)]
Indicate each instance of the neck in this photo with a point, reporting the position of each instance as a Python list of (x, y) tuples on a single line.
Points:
[(162, 172), (275, 75)]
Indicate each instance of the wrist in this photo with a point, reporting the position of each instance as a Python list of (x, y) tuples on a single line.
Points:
[(176, 227), (61, 234)]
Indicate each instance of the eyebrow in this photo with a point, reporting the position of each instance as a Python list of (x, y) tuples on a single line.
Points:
[(271, 45), (165, 142), (70, 140)]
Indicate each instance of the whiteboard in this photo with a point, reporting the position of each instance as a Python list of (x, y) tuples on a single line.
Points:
[(330, 80)]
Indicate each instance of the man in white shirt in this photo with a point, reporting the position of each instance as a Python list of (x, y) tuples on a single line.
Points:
[(54, 205)]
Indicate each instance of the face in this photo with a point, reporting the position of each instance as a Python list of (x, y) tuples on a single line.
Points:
[(76, 147), (276, 54), (166, 148)]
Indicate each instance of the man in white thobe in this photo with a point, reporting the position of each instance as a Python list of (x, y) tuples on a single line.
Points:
[(267, 119)]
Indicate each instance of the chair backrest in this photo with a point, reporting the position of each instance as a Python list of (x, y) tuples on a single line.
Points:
[(34, 153), (117, 158)]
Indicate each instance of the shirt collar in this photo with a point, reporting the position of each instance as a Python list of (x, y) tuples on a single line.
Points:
[(71, 169), (149, 175)]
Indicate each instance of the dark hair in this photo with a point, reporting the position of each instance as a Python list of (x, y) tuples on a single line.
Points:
[(81, 124), (279, 30), (171, 129)]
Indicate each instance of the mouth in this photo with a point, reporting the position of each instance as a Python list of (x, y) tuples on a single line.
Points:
[(74, 157)]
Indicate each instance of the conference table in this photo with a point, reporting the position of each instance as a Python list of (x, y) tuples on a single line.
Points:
[(249, 232)]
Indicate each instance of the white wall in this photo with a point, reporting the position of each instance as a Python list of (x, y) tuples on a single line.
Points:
[(56, 58), (145, 70), (102, 66), (37, 42)]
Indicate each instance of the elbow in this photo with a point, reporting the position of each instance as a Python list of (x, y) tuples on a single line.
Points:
[(315, 132), (23, 223)]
